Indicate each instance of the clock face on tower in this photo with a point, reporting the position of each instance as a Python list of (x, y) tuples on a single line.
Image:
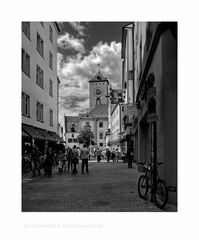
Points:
[(98, 92)]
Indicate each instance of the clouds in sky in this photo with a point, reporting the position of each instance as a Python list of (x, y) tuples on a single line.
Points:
[(75, 71), (79, 28), (68, 41)]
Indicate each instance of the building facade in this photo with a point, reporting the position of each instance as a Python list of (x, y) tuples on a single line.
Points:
[(96, 117), (157, 101), (40, 84), (153, 53), (72, 129), (129, 110)]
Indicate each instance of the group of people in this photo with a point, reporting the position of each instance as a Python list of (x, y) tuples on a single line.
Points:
[(65, 159), (113, 155), (73, 156)]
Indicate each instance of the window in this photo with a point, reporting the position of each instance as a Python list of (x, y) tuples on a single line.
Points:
[(51, 34), (25, 63), (25, 105), (87, 124), (40, 45), (72, 135), (26, 29), (50, 87), (98, 101), (75, 140), (39, 114), (50, 60), (101, 144), (40, 77), (100, 135), (72, 129), (42, 23), (70, 140), (51, 117), (101, 124)]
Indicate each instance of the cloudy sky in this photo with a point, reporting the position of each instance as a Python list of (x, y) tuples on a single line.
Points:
[(81, 47)]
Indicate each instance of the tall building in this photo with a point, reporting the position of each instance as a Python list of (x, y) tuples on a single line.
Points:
[(152, 49), (40, 84), (98, 90), (97, 116)]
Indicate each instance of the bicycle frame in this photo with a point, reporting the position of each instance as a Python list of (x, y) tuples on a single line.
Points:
[(149, 171)]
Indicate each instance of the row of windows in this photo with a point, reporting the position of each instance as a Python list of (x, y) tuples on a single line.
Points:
[(98, 84), (39, 72), (26, 30), (40, 44), (39, 109), (40, 49), (100, 124), (70, 140)]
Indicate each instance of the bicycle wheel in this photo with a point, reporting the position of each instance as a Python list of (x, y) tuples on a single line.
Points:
[(161, 194), (143, 186)]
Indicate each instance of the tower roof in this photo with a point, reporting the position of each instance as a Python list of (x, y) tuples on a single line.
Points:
[(98, 78)]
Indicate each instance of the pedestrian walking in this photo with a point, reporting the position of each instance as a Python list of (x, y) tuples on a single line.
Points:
[(85, 155), (69, 157), (130, 156), (117, 154), (113, 155), (35, 160), (74, 160), (108, 154), (26, 162), (98, 154), (64, 161), (49, 160), (60, 159)]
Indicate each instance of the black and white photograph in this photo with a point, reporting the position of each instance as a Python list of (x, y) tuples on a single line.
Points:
[(99, 116), (99, 120)]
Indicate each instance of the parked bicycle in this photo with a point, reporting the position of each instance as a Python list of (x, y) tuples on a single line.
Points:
[(156, 190)]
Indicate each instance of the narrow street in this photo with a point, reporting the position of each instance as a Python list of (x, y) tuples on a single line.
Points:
[(109, 187)]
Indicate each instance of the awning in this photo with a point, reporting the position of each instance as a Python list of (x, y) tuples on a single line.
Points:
[(31, 131), (58, 138), (45, 134), (24, 134)]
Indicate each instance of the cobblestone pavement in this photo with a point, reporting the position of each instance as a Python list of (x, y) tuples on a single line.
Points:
[(109, 187)]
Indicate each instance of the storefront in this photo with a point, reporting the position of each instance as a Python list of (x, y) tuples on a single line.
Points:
[(39, 137)]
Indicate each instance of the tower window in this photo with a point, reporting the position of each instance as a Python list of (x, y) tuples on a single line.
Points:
[(98, 101)]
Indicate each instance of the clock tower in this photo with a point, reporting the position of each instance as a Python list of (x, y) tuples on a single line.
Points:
[(98, 90)]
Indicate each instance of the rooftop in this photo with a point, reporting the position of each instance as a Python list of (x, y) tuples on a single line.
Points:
[(98, 78), (100, 110)]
